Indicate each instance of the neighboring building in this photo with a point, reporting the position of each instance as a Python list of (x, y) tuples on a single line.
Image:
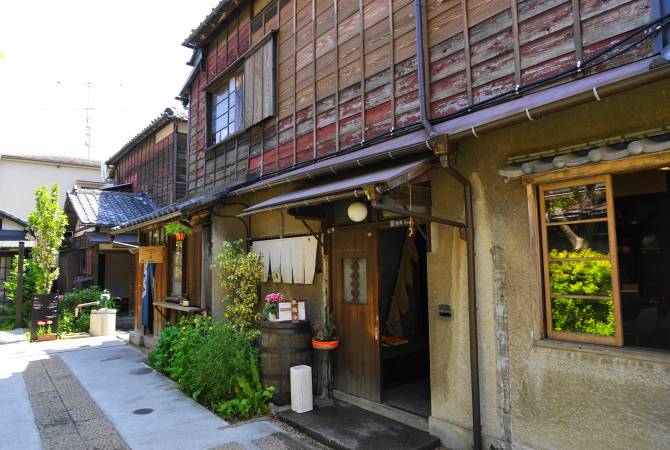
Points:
[(483, 160), (21, 175), (154, 161), (12, 231), (91, 257)]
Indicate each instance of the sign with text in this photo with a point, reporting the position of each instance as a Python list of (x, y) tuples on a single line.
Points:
[(284, 311), (152, 255), (45, 309)]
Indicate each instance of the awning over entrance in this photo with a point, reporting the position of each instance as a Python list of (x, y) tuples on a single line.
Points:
[(382, 180)]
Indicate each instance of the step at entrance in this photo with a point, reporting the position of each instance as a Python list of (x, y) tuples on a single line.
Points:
[(345, 426)]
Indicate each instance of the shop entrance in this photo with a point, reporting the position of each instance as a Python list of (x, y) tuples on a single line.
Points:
[(380, 304)]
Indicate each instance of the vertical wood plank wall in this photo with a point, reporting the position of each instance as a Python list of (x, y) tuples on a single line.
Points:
[(148, 167), (346, 69)]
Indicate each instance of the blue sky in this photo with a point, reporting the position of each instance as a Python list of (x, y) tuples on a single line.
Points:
[(129, 50)]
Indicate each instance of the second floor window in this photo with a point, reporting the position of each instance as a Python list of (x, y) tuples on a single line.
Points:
[(226, 112)]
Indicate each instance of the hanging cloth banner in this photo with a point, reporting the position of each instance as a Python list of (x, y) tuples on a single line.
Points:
[(289, 260), (148, 293)]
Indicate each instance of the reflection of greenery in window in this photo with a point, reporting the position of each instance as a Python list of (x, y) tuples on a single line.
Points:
[(579, 275), (576, 273)]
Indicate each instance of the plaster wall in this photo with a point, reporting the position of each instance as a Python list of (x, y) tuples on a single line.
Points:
[(20, 179), (535, 393), (265, 226)]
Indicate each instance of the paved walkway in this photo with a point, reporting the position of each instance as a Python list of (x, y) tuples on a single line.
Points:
[(99, 394)]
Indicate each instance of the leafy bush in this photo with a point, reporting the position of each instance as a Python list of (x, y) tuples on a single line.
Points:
[(215, 363), (581, 276), (67, 322), (241, 274)]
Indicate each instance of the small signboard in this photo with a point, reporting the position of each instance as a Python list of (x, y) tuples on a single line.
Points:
[(45, 308), (154, 254), (284, 311)]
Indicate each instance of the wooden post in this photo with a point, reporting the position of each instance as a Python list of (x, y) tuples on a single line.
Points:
[(19, 287)]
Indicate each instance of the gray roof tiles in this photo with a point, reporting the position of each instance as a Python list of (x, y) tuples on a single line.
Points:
[(109, 208)]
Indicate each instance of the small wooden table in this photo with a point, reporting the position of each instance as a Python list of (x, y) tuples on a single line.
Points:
[(188, 310)]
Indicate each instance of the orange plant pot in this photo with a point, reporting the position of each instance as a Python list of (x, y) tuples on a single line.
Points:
[(179, 236), (325, 345), (47, 337)]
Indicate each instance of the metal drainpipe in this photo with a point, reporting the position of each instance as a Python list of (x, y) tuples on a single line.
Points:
[(448, 164)]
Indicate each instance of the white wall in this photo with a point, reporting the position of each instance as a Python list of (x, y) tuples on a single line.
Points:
[(19, 179)]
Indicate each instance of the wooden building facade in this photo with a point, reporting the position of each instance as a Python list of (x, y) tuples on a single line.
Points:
[(345, 72), (154, 161)]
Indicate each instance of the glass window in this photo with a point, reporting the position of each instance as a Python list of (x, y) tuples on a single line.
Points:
[(581, 276), (226, 102), (355, 280)]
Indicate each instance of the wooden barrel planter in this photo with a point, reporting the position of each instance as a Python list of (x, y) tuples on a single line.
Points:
[(283, 345)]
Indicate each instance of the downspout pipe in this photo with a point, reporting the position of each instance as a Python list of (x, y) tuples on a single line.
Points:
[(448, 164), (421, 72)]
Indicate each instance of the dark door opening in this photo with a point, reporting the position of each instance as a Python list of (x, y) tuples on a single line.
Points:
[(403, 320)]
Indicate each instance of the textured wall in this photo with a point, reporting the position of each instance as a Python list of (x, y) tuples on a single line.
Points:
[(560, 396)]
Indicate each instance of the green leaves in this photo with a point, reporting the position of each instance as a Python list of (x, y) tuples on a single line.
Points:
[(47, 222), (240, 273)]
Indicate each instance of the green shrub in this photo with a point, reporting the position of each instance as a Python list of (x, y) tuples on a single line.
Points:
[(215, 363), (67, 322)]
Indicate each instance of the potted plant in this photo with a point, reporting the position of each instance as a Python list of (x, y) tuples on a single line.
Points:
[(44, 331), (325, 338), (103, 319), (271, 308), (178, 229)]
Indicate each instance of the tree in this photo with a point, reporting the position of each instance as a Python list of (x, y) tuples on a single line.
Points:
[(47, 222)]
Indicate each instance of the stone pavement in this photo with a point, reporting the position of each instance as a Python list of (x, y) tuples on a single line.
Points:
[(66, 416), (100, 394)]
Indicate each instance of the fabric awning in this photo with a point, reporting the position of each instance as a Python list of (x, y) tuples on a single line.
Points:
[(353, 186)]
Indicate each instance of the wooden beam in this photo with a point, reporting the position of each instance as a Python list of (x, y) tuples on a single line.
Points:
[(361, 25), (313, 79), (295, 82), (466, 50), (577, 30), (515, 40), (337, 77), (392, 62)]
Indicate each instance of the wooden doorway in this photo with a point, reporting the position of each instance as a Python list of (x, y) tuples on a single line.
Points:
[(355, 306)]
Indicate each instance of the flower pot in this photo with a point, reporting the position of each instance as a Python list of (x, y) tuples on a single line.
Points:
[(179, 236), (47, 337), (325, 345), (272, 316)]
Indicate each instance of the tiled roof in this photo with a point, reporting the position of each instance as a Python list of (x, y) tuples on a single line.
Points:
[(53, 159), (611, 151), (159, 122), (109, 208)]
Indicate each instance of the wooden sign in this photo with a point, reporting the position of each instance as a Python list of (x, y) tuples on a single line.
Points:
[(284, 311), (152, 255), (45, 308)]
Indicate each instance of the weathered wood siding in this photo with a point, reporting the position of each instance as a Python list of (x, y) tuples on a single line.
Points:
[(346, 69), (148, 166)]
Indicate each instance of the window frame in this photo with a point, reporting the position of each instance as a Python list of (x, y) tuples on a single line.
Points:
[(239, 107), (541, 188)]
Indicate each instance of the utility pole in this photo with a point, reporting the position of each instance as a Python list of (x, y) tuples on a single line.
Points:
[(19, 287)]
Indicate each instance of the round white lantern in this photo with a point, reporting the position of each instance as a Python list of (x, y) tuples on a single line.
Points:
[(357, 211)]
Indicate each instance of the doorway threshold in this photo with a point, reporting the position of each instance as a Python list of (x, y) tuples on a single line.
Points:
[(343, 426), (406, 417)]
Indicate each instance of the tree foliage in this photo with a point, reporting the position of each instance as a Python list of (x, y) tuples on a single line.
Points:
[(240, 273), (11, 284), (47, 222)]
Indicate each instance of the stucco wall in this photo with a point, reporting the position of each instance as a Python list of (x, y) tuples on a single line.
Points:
[(535, 394), (263, 226), (19, 179)]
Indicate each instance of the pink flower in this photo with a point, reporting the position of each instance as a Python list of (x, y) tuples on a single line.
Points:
[(49, 322), (275, 297)]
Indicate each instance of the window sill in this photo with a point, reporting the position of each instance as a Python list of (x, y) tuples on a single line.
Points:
[(643, 354)]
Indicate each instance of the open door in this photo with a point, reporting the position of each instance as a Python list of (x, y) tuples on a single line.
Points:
[(355, 306)]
